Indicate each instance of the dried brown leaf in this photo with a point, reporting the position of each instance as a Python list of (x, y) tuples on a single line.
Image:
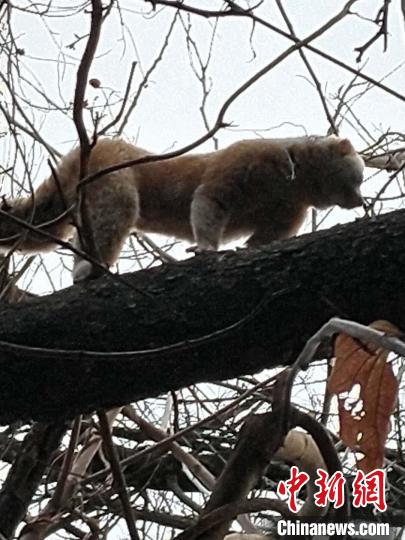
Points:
[(365, 422)]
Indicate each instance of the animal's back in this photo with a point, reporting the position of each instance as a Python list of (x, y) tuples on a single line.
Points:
[(106, 152), (165, 190)]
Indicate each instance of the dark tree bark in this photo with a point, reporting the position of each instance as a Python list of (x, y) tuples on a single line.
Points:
[(353, 271), (26, 474)]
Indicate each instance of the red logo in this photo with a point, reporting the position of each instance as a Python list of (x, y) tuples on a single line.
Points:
[(367, 488), (331, 489), (292, 486), (370, 489)]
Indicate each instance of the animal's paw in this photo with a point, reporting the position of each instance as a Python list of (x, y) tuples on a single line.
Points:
[(82, 270), (198, 250), (193, 249)]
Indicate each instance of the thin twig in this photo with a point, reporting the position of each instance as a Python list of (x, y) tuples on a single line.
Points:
[(165, 443), (333, 129), (144, 82), (67, 464), (178, 4), (382, 21), (86, 232), (67, 245), (123, 104), (119, 478)]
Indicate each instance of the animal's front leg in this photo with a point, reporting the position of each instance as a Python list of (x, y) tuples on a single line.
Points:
[(208, 217), (267, 234)]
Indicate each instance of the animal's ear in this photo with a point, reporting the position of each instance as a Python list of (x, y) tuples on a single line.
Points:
[(344, 147)]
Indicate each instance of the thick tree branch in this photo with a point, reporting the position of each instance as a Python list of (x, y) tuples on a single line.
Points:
[(353, 271)]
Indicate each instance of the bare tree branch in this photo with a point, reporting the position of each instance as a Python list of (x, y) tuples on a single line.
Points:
[(238, 338), (26, 473)]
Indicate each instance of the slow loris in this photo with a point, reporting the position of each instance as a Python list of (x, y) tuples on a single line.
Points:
[(260, 189)]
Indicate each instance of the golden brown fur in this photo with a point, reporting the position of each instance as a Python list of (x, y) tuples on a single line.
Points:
[(259, 189)]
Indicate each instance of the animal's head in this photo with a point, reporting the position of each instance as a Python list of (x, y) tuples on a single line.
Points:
[(340, 175)]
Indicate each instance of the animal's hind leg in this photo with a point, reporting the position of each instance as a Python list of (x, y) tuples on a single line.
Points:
[(111, 212)]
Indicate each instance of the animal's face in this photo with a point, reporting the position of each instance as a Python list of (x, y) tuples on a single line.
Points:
[(347, 182), (344, 176)]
